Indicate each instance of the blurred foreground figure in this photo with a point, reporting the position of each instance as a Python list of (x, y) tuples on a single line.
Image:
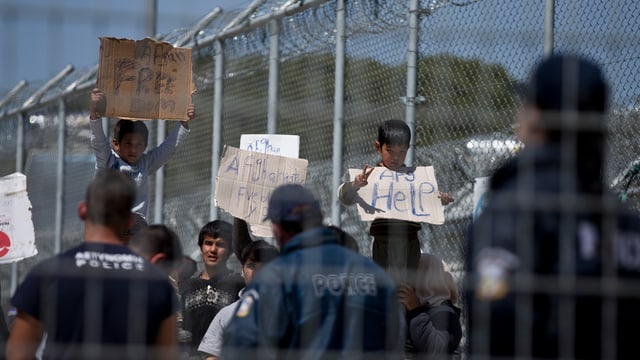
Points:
[(99, 299), (317, 299), (553, 260)]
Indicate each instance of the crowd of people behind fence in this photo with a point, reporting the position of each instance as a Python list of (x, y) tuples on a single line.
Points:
[(551, 263)]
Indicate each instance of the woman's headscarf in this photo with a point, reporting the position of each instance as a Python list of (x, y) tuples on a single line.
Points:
[(434, 284)]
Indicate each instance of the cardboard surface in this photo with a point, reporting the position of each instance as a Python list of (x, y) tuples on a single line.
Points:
[(17, 235), (145, 79), (246, 179), (411, 195)]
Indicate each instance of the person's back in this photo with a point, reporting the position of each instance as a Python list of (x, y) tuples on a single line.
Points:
[(550, 222), (335, 304), (98, 299), (317, 300)]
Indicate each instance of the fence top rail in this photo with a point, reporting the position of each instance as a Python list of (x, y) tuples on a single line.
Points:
[(287, 9)]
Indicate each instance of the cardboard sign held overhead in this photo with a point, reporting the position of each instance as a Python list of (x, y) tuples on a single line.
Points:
[(145, 79), (246, 179), (17, 236), (410, 195)]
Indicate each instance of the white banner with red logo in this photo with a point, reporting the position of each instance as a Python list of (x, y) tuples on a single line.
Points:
[(17, 237)]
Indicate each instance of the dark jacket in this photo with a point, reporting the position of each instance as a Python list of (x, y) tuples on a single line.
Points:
[(542, 220), (434, 332), (317, 300)]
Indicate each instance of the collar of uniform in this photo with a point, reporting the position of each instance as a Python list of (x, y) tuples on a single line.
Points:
[(310, 238)]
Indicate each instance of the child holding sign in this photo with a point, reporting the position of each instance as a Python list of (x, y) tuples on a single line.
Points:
[(396, 246), (129, 142)]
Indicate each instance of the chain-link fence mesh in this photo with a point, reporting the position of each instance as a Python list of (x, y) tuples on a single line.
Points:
[(473, 58)]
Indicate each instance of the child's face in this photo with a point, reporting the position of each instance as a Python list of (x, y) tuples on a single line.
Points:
[(392, 155), (131, 147)]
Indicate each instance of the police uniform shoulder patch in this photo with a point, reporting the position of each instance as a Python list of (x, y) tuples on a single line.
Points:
[(246, 303)]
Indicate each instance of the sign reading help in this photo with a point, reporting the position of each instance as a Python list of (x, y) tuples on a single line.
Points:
[(410, 195), (17, 236)]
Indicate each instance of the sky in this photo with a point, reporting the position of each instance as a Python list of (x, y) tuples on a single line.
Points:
[(38, 38)]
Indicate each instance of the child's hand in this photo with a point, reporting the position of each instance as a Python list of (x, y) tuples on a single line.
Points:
[(98, 104), (445, 198), (407, 297), (191, 111), (361, 179)]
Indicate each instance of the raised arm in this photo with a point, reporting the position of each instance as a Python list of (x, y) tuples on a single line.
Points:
[(241, 236), (99, 143), (347, 192), (160, 155)]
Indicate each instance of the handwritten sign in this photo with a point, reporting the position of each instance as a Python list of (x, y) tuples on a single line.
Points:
[(480, 188), (17, 236), (274, 144), (411, 195), (246, 179), (145, 79)]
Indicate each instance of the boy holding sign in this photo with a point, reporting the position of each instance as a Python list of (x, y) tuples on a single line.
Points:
[(129, 142), (395, 242)]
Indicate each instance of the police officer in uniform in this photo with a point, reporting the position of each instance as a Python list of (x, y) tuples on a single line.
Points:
[(318, 299)]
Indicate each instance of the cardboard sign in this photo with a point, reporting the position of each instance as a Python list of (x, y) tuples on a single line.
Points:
[(17, 236), (145, 79), (480, 188), (274, 144), (410, 195), (246, 179)]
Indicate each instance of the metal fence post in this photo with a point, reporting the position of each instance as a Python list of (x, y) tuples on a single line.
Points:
[(274, 76), (60, 176), (217, 123), (20, 169), (549, 23), (338, 111), (412, 73)]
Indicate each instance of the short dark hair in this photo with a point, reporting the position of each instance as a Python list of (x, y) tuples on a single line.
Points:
[(109, 199), (124, 127), (294, 208), (568, 82), (159, 239), (259, 251), (572, 95), (185, 269), (216, 229), (394, 132)]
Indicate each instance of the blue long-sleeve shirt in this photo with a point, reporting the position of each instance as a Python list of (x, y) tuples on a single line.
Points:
[(149, 163)]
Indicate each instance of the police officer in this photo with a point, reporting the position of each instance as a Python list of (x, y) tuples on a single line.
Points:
[(551, 235), (318, 299)]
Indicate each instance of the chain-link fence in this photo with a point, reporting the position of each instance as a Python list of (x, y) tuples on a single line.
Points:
[(472, 59)]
